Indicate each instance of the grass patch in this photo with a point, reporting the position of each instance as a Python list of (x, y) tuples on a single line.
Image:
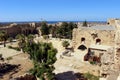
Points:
[(9, 58), (91, 76)]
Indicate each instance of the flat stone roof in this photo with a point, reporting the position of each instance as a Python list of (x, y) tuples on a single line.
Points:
[(101, 27), (100, 47)]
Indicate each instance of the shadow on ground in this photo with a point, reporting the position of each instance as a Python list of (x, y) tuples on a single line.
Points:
[(70, 75), (6, 68)]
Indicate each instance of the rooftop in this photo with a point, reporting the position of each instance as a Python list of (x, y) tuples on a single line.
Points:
[(100, 47), (101, 27)]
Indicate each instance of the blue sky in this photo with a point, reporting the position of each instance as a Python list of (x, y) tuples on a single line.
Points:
[(51, 10)]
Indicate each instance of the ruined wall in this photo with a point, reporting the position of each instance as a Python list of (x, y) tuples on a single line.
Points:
[(117, 44), (111, 22), (106, 36), (110, 61), (107, 66), (13, 30)]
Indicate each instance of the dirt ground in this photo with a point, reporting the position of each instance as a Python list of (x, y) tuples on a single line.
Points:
[(18, 58), (25, 65), (74, 63)]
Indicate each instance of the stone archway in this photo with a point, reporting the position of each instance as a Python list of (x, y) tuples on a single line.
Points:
[(82, 47), (98, 41)]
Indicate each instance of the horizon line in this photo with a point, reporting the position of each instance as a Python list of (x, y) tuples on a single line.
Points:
[(56, 21)]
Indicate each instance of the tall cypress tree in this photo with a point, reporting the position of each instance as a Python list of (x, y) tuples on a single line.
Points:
[(85, 23)]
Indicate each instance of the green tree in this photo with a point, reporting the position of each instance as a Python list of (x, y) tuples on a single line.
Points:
[(53, 30), (65, 30), (50, 28), (10, 39), (44, 28), (62, 30), (30, 38), (44, 56), (3, 37), (65, 44), (21, 39), (85, 23), (71, 26)]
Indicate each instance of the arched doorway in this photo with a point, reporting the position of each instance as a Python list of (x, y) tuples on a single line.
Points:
[(98, 41), (83, 40), (82, 47)]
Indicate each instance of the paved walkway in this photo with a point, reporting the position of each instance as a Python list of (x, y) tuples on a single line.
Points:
[(6, 52)]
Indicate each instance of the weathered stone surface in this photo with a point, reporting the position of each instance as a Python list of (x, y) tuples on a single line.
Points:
[(110, 60), (106, 37)]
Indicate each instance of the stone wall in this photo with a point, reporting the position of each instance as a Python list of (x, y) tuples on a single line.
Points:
[(117, 50), (13, 30), (111, 22), (106, 36)]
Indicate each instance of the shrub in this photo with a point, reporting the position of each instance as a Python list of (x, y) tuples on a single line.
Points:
[(91, 76), (15, 48), (65, 44), (0, 55), (43, 56), (9, 58), (92, 62), (45, 37)]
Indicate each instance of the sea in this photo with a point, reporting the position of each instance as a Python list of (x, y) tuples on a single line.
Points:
[(49, 22)]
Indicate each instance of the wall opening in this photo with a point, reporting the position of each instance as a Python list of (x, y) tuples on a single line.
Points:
[(82, 47), (83, 40), (98, 41), (118, 50)]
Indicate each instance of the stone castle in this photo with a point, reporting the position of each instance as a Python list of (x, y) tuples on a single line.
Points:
[(104, 41)]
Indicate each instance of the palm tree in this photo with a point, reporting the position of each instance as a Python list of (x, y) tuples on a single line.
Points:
[(3, 37)]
